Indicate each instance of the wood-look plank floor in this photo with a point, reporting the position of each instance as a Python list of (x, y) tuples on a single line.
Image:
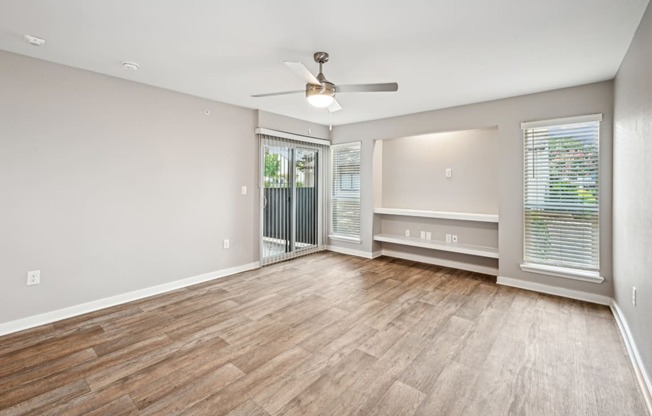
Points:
[(327, 334)]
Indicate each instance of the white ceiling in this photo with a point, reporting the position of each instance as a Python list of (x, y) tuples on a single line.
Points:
[(442, 53)]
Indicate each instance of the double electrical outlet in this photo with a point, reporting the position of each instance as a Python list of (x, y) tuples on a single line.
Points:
[(427, 235)]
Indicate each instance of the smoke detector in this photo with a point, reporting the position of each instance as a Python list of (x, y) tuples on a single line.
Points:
[(130, 66), (34, 41)]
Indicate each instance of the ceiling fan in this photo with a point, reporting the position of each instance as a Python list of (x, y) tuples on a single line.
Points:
[(320, 92)]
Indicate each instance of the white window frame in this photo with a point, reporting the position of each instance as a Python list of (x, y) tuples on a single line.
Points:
[(559, 270), (354, 196)]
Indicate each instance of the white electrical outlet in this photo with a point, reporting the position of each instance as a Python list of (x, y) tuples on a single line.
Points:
[(244, 190), (423, 235), (449, 172), (454, 238), (226, 244), (448, 238), (407, 232), (634, 295), (33, 277), (428, 235)]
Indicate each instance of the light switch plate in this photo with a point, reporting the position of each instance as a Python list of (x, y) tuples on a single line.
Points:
[(33, 277)]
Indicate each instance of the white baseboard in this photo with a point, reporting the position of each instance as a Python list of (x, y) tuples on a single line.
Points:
[(642, 376), (357, 253), (57, 315), (554, 290), (441, 262)]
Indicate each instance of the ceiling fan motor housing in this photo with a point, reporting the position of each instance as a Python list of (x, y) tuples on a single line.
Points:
[(326, 88)]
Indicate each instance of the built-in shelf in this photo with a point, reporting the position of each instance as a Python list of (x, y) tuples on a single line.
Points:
[(462, 216), (480, 251)]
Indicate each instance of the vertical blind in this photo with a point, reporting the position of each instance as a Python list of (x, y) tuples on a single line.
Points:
[(345, 191), (561, 193), (292, 192)]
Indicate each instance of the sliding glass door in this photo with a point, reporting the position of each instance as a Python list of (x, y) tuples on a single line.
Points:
[(291, 199)]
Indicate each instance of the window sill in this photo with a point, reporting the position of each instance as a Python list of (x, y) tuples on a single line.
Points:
[(354, 240), (585, 276)]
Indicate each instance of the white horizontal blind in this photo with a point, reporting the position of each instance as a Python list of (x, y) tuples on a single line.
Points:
[(561, 195), (345, 190)]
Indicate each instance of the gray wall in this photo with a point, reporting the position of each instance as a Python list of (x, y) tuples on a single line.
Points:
[(507, 114), (414, 172), (632, 206), (110, 186)]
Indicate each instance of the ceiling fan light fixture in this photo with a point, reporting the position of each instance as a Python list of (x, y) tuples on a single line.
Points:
[(320, 101), (320, 96)]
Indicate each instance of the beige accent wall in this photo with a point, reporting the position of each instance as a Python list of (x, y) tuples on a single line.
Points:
[(632, 206), (506, 114), (413, 174), (109, 186)]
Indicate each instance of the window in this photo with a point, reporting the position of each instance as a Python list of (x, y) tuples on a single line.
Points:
[(345, 192), (561, 197)]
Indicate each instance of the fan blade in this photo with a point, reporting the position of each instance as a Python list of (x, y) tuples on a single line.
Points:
[(389, 87), (271, 94), (301, 70), (335, 106)]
